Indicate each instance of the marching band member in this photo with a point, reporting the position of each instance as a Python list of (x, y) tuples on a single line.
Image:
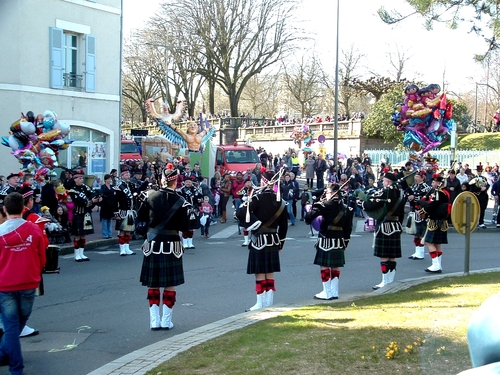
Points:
[(11, 186), (333, 238), (435, 208), (267, 240), (167, 214), (81, 195), (417, 191), (125, 217), (479, 186), (388, 230), (194, 197)]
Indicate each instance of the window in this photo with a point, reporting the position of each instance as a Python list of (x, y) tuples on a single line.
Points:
[(72, 66), (70, 76)]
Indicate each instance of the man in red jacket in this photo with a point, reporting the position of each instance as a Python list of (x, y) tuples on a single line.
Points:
[(22, 258)]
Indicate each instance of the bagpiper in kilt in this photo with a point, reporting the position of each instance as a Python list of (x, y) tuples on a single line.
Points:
[(125, 217), (82, 224), (479, 186), (387, 233), (267, 240), (435, 208), (194, 197), (333, 237), (167, 214), (416, 192)]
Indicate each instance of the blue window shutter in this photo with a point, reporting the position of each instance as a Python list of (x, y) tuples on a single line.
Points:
[(56, 46), (90, 55)]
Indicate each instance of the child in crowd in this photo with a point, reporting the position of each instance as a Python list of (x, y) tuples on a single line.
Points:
[(206, 211), (305, 198)]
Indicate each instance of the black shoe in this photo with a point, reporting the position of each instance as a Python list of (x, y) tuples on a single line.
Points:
[(302, 219), (415, 258)]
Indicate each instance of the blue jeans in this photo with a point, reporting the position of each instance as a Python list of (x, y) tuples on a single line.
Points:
[(237, 203), (16, 309), (106, 228), (289, 209)]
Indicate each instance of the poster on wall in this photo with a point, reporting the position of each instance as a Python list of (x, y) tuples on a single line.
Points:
[(98, 166)]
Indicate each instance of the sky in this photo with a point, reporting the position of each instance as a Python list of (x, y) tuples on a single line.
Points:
[(436, 56)]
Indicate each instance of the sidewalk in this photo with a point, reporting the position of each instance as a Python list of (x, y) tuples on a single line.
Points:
[(147, 358), (93, 240)]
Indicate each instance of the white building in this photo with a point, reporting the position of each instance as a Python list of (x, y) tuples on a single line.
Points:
[(64, 55)]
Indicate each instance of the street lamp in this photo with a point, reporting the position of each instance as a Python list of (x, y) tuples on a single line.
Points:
[(336, 110)]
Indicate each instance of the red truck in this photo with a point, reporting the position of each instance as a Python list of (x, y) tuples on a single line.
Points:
[(129, 152), (235, 158)]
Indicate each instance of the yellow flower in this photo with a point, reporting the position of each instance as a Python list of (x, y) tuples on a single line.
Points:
[(374, 347), (363, 357)]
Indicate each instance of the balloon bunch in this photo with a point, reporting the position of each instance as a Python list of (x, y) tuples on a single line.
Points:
[(424, 117), (36, 141), (302, 133)]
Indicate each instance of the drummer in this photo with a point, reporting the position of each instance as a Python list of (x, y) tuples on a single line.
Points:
[(388, 228)]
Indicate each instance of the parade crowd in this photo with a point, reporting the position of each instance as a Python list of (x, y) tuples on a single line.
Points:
[(167, 203)]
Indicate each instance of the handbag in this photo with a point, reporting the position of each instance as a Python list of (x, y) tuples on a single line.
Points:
[(411, 226)]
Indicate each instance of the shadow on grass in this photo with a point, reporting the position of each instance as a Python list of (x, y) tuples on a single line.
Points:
[(427, 324)]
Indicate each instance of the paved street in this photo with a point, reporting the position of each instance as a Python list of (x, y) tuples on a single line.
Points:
[(95, 312)]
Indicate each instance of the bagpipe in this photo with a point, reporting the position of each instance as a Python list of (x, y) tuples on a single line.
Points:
[(317, 221), (379, 195)]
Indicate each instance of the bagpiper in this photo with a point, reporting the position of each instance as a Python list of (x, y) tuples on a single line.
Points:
[(125, 217), (81, 195), (333, 238), (417, 191), (267, 240), (388, 228), (166, 214), (436, 209), (194, 197)]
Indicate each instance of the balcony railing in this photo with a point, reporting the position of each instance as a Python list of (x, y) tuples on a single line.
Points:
[(72, 80)]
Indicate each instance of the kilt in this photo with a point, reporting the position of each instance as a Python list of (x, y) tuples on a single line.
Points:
[(421, 228), (332, 258), (266, 260), (387, 246), (162, 270), (436, 237), (78, 224)]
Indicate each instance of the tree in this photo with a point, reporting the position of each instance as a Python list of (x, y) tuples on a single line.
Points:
[(398, 63), (260, 96), (375, 86), (303, 82), (347, 72), (486, 12), (239, 38), (138, 86)]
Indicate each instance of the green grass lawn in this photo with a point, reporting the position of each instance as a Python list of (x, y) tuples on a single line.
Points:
[(420, 330)]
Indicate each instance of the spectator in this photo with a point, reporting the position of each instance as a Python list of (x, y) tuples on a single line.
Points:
[(236, 187), (109, 206), (462, 177), (225, 189), (320, 168), (20, 275), (310, 169)]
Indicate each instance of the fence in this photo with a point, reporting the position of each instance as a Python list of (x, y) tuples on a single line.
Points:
[(471, 157)]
